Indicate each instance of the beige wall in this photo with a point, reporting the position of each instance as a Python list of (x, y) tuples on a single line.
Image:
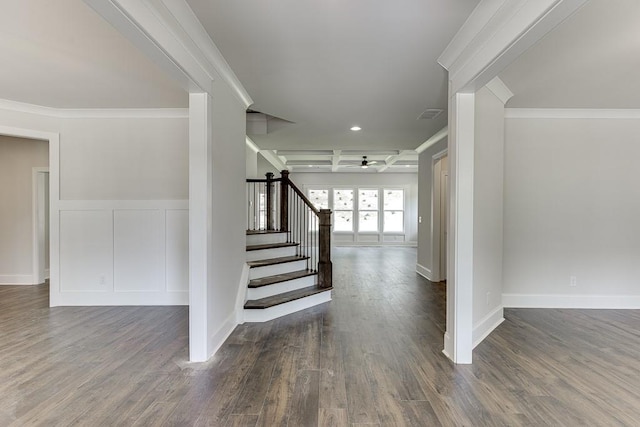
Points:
[(17, 159)]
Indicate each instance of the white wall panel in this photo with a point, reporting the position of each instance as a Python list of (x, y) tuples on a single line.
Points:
[(138, 250), (86, 251), (177, 250)]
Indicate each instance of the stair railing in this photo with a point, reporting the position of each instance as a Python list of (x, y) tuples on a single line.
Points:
[(285, 208)]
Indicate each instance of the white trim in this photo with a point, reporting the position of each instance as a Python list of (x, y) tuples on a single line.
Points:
[(273, 158), (485, 326), (500, 90), (460, 244), (241, 296), (17, 279), (128, 298), (220, 336), (264, 315), (198, 35), (37, 177), (200, 217), (570, 113), (252, 145), (95, 113), (436, 137), (89, 205), (424, 272), (54, 200), (617, 302), (409, 244), (448, 346), (495, 34), (170, 33)]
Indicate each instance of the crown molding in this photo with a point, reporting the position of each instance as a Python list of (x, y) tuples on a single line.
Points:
[(171, 35), (570, 113), (500, 90), (442, 133), (95, 113), (496, 33)]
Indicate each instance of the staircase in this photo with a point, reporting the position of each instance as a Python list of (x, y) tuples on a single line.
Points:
[(288, 250)]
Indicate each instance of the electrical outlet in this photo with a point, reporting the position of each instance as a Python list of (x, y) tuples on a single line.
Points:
[(102, 280), (573, 281), (419, 220)]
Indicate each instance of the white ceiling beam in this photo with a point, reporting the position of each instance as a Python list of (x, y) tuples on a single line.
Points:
[(495, 34), (171, 35), (392, 159), (335, 160), (442, 133), (271, 157)]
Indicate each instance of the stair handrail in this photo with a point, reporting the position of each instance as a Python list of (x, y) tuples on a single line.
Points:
[(324, 266)]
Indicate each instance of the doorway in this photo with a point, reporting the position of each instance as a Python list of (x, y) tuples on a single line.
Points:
[(439, 216)]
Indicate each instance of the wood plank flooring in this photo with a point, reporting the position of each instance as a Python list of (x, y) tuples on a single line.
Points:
[(371, 357)]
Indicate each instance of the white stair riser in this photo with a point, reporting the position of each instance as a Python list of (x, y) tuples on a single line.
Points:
[(280, 288), (271, 253), (264, 315), (272, 270), (263, 239)]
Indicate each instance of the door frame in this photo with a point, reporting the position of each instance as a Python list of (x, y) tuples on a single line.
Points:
[(54, 198), (436, 219), (38, 216)]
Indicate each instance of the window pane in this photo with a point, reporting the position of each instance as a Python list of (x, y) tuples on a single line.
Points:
[(342, 200), (394, 200), (367, 200), (393, 221), (319, 198), (368, 221), (343, 221)]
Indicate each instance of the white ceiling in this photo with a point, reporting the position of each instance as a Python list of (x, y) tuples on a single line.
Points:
[(62, 54), (328, 65), (592, 60)]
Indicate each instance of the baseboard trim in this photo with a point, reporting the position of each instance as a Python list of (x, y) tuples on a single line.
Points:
[(216, 340), (424, 272), (487, 325), (241, 296), (17, 279), (448, 347), (68, 299), (613, 302)]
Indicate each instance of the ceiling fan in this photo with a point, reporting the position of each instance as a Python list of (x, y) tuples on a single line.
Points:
[(364, 164)]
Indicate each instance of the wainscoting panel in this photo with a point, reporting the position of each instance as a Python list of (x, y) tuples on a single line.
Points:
[(138, 245), (177, 250), (123, 253), (86, 251)]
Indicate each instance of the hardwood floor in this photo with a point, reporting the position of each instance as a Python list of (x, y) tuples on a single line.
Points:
[(370, 357)]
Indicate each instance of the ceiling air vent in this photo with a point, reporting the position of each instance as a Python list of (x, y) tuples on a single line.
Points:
[(430, 114)]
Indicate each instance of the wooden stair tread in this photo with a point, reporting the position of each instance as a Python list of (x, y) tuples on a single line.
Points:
[(270, 246), (278, 278), (285, 297), (252, 232), (273, 261)]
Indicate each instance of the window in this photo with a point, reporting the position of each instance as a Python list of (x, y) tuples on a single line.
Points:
[(343, 209), (393, 219), (368, 210), (319, 198)]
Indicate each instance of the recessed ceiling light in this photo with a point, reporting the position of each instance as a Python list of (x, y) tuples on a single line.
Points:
[(356, 128)]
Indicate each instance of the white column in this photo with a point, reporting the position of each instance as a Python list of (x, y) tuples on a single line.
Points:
[(200, 222), (458, 339)]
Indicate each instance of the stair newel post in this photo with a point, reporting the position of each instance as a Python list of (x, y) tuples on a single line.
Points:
[(269, 201), (284, 201), (325, 268)]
